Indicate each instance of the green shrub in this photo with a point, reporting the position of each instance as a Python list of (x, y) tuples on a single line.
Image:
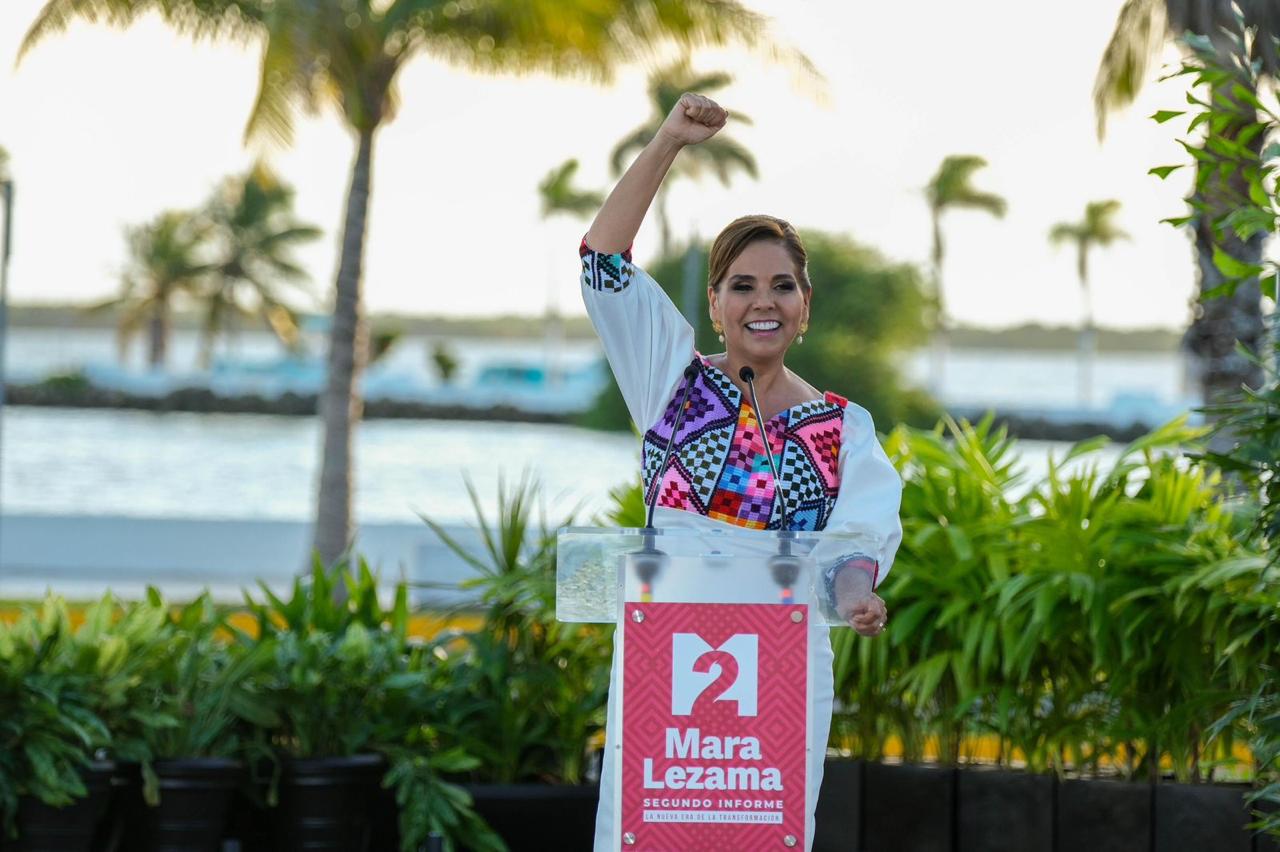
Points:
[(524, 693), (1069, 617)]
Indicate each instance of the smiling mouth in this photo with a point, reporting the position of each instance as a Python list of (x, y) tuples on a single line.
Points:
[(764, 326)]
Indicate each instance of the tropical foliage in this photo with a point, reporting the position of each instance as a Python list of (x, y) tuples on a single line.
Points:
[(253, 235), (166, 263), (559, 195), (1097, 228), (721, 155), (523, 692), (347, 57), (1101, 611), (1229, 34), (226, 260), (1238, 143), (951, 188), (343, 679)]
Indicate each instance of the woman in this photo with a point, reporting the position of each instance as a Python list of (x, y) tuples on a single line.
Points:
[(833, 473)]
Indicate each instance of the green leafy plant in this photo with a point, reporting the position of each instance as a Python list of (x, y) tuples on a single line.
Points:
[(49, 730), (342, 679), (1239, 158), (1100, 611), (523, 692), (208, 689)]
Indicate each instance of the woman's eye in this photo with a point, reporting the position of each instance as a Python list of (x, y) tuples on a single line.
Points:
[(741, 288), (786, 285)]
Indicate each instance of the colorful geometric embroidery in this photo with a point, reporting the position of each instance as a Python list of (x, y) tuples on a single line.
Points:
[(610, 273), (719, 469)]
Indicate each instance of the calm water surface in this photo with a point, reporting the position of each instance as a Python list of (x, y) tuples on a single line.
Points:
[(235, 466)]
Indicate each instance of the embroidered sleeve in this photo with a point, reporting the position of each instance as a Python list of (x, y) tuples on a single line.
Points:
[(605, 273), (645, 338), (869, 500)]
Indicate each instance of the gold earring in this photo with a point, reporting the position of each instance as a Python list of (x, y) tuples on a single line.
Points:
[(718, 329), (804, 326)]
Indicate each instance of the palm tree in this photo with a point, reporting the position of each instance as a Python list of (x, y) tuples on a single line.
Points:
[(167, 259), (1098, 228), (348, 56), (254, 233), (1142, 29), (952, 188), (721, 154), (560, 196)]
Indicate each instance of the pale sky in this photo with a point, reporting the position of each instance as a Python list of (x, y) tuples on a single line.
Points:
[(107, 128)]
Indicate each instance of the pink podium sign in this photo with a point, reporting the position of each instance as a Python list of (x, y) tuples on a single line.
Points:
[(714, 719)]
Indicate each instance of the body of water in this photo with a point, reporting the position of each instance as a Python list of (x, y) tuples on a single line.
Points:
[(263, 467), (1012, 379)]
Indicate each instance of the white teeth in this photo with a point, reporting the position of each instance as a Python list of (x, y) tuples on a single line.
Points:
[(764, 325)]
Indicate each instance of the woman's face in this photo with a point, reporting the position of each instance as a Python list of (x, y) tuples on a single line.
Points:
[(760, 303)]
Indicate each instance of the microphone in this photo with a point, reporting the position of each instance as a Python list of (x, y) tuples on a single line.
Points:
[(748, 376), (648, 561), (784, 567)]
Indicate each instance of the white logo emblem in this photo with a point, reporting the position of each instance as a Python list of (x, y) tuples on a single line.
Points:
[(688, 681)]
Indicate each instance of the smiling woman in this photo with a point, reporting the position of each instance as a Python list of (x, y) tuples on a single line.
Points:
[(757, 446)]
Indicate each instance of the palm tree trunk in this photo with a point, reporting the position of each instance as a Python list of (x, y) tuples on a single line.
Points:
[(1088, 340), (341, 405), (938, 343), (158, 335), (1220, 322)]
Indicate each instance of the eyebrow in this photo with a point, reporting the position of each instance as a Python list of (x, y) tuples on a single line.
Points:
[(742, 276)]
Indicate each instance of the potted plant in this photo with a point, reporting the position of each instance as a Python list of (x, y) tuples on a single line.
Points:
[(349, 696), (191, 765), (522, 693), (53, 793)]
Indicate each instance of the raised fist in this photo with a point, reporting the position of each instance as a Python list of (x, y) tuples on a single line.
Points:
[(694, 119)]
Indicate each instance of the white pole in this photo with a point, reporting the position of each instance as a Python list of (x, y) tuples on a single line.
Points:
[(6, 189)]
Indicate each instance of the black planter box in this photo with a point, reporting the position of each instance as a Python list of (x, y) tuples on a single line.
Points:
[(839, 815), (1103, 816), (1264, 842), (1201, 818), (73, 828), (1003, 811), (907, 808), (326, 805), (195, 800), (538, 817)]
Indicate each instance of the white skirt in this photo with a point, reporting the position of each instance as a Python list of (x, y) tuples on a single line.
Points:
[(820, 661)]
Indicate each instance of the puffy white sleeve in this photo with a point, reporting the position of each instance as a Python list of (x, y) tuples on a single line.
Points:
[(646, 340), (869, 500)]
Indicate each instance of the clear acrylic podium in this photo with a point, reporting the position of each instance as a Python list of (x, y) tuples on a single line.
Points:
[(712, 697), (598, 569)]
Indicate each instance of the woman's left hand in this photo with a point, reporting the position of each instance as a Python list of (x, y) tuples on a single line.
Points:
[(857, 603), (867, 615)]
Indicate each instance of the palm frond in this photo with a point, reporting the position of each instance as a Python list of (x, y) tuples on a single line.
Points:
[(196, 18), (1139, 33), (634, 141), (951, 186)]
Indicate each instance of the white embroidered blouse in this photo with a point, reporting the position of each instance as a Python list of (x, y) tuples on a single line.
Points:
[(834, 474)]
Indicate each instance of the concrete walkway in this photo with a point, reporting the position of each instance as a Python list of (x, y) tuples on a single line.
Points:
[(80, 557)]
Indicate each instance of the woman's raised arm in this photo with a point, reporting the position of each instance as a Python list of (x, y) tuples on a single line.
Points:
[(694, 119)]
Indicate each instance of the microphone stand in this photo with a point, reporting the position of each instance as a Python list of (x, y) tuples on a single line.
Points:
[(784, 567), (649, 560)]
